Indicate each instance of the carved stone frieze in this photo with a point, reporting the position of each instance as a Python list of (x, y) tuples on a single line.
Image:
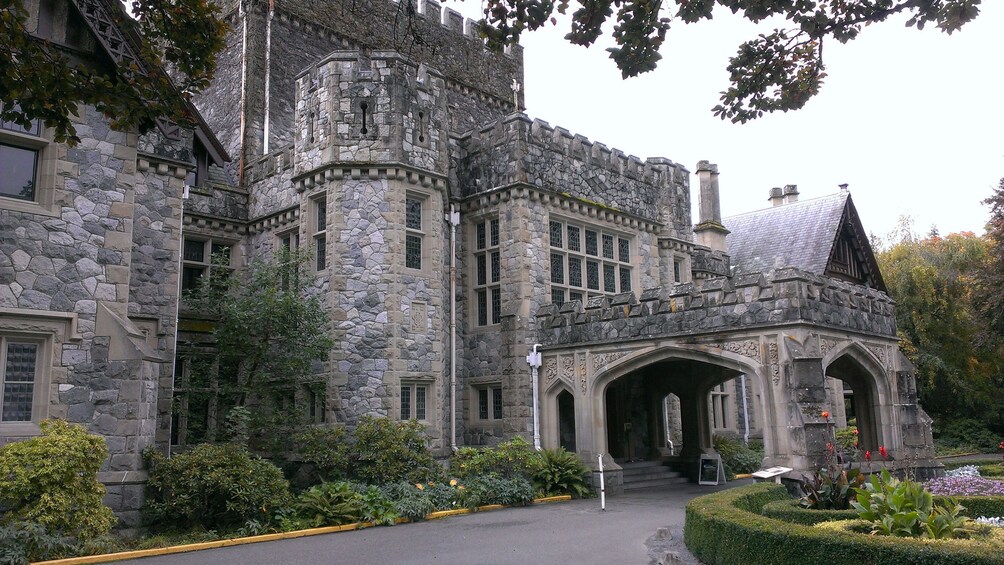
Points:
[(747, 347), (550, 369), (775, 369), (881, 352), (601, 360)]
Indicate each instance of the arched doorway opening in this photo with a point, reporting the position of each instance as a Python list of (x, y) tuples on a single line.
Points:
[(566, 420), (859, 398)]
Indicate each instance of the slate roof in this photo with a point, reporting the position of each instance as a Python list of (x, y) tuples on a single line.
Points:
[(800, 234)]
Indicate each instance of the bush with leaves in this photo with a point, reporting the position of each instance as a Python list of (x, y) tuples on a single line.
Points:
[(387, 452), (513, 458), (327, 449), (562, 473), (736, 457), (330, 504), (967, 433), (213, 486), (831, 488), (906, 509), (23, 542), (495, 489), (409, 501), (51, 480)]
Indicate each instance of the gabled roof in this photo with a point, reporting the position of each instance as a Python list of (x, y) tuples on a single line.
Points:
[(803, 235)]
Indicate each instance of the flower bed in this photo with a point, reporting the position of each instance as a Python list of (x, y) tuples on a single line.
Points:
[(965, 486), (727, 528)]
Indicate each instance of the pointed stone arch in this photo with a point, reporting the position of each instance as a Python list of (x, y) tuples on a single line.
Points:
[(873, 396)]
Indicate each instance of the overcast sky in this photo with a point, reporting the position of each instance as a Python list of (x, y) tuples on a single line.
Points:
[(911, 120)]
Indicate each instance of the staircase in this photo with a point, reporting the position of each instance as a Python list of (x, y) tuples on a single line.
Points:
[(649, 474)]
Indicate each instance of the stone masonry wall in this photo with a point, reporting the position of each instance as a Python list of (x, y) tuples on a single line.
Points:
[(518, 150)]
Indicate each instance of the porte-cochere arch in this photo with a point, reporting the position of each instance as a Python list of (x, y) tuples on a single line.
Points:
[(786, 333)]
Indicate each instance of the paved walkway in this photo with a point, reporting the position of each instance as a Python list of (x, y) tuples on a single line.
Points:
[(565, 532)]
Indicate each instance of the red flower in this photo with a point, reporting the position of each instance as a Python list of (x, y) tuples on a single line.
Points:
[(1001, 445), (883, 452), (855, 432), (826, 415), (829, 447), (868, 456)]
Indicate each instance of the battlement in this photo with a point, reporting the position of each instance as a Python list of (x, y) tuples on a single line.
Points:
[(782, 297)]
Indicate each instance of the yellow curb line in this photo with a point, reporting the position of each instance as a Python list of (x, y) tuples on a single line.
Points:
[(136, 554), (743, 476)]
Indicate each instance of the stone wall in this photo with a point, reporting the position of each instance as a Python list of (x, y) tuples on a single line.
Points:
[(784, 296), (518, 150)]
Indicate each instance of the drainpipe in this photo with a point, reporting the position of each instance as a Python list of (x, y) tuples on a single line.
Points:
[(533, 358), (177, 304), (746, 412), (454, 219)]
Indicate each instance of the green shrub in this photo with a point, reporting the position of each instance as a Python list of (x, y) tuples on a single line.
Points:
[(726, 528), (330, 504), (736, 457), (51, 480), (23, 542), (967, 433), (495, 489), (513, 458), (214, 486), (409, 501), (562, 473), (387, 452), (445, 496), (327, 449), (791, 510), (906, 509), (976, 506), (992, 470)]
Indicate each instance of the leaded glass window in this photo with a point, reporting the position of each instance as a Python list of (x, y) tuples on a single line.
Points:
[(19, 369), (488, 272), (587, 261)]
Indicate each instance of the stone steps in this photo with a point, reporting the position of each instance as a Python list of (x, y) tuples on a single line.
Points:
[(649, 474)]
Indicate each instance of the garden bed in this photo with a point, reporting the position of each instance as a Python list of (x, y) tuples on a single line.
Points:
[(728, 528)]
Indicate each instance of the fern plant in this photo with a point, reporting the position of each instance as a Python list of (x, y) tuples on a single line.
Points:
[(561, 473), (330, 504)]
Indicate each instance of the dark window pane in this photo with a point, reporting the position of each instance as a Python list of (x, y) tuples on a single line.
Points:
[(609, 279), (557, 296), (482, 308), (623, 250), (573, 239), (556, 234), (480, 235), (322, 251), (17, 172), (413, 213), (223, 252), (405, 402), (593, 275), (195, 251), (608, 246), (413, 252), (625, 279), (483, 404), (420, 402), (591, 239), (322, 214), (495, 233), (190, 277), (35, 129), (19, 382), (557, 268), (496, 306), (575, 296), (495, 266), (482, 269), (676, 271), (496, 403), (574, 271)]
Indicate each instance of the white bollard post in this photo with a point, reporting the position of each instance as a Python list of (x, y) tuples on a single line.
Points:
[(603, 490)]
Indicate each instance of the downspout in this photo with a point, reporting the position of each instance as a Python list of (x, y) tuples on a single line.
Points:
[(268, 70), (746, 412), (533, 358), (177, 304), (454, 219)]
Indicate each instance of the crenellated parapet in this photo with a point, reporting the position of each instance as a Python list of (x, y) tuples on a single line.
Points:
[(782, 297), (520, 150)]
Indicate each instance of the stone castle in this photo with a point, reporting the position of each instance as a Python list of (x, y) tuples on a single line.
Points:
[(449, 233)]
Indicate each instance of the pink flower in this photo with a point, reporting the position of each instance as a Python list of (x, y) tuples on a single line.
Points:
[(868, 455), (883, 452)]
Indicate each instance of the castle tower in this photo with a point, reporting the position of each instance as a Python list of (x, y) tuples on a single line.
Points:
[(370, 161)]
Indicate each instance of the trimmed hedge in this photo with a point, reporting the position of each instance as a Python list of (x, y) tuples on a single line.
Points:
[(726, 528), (791, 510), (976, 506)]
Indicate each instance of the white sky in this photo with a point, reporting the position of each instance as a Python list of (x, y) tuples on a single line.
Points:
[(911, 120)]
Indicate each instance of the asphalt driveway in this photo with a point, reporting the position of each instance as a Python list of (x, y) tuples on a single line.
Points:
[(566, 532)]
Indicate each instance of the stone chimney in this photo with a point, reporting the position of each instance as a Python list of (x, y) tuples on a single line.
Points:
[(709, 231), (787, 195)]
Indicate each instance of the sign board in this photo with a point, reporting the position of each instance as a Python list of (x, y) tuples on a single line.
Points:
[(771, 473), (710, 470)]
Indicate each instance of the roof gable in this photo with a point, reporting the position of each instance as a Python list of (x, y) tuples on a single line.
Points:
[(820, 235)]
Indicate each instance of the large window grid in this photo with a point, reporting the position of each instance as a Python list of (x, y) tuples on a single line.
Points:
[(20, 154), (487, 272), (720, 407), (587, 261), (414, 233), (19, 377), (198, 256)]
